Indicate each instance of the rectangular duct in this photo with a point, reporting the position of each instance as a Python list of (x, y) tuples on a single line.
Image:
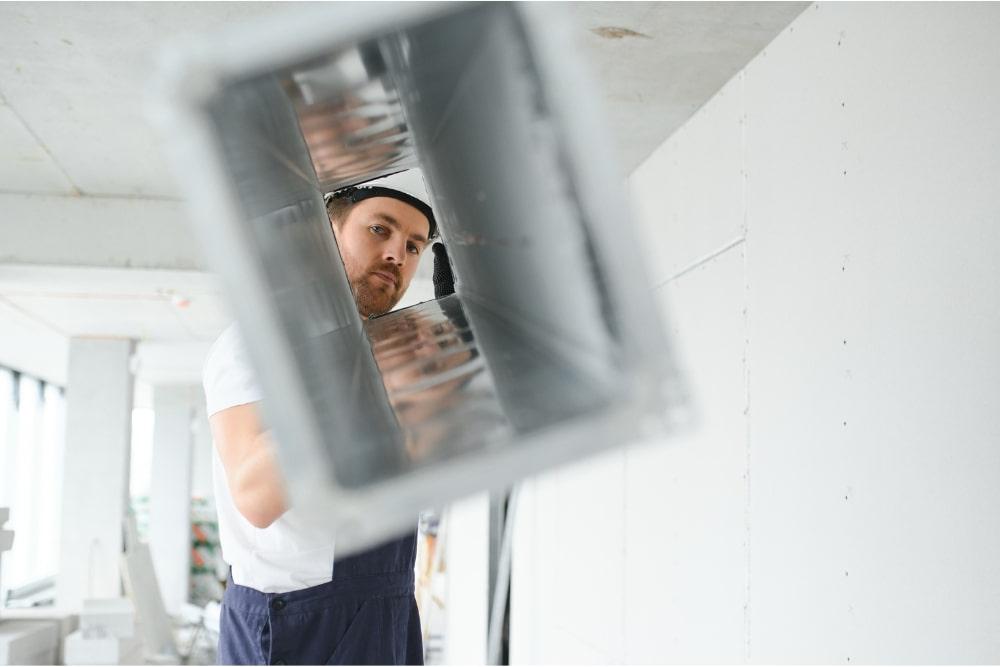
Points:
[(552, 348)]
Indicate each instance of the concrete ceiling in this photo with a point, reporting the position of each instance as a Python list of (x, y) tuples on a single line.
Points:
[(656, 63), (83, 186)]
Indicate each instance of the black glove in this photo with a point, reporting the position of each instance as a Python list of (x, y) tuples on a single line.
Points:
[(444, 280)]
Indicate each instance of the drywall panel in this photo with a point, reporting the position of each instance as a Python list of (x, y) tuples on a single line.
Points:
[(467, 558), (871, 305), (687, 198), (872, 160), (526, 571), (928, 170), (420, 289), (798, 600), (567, 573), (685, 513)]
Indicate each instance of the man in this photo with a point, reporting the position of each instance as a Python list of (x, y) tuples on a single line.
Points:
[(286, 602)]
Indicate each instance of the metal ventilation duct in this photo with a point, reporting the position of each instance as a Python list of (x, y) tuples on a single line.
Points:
[(551, 349)]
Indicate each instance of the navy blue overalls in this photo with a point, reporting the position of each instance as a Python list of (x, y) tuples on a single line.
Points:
[(367, 615)]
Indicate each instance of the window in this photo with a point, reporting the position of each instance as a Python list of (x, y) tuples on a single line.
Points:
[(32, 428)]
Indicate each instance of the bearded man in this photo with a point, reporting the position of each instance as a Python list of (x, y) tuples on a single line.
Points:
[(286, 601)]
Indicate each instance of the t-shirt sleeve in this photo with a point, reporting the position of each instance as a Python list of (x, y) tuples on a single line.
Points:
[(227, 377)]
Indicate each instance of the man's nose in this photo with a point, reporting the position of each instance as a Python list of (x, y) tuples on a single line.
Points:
[(394, 253)]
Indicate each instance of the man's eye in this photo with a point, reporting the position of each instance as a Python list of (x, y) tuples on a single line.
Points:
[(377, 229), (413, 249)]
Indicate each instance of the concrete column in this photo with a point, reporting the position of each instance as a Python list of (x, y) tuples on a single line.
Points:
[(170, 492), (95, 469), (201, 465)]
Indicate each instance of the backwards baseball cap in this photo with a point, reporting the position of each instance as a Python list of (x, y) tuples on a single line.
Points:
[(356, 193)]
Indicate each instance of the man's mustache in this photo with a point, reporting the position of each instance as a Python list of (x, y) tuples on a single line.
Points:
[(389, 269)]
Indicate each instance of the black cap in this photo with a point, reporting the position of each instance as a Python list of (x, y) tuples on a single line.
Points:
[(360, 193)]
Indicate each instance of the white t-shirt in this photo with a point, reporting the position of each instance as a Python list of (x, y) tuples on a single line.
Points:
[(291, 553)]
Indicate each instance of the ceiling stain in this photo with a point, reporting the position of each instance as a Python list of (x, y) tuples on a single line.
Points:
[(613, 32)]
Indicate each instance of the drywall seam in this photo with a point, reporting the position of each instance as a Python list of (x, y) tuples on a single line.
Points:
[(746, 362), (704, 260)]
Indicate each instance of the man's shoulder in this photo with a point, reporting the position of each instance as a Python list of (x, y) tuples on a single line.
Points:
[(226, 345), (227, 377)]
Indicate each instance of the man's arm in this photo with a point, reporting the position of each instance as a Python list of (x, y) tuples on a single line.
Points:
[(247, 453)]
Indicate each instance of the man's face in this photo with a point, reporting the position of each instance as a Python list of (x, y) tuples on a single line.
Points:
[(381, 241)]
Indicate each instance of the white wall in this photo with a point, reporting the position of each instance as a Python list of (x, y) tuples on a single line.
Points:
[(466, 525), (823, 235)]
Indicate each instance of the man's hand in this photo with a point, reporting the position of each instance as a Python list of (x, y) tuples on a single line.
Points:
[(247, 453), (443, 278)]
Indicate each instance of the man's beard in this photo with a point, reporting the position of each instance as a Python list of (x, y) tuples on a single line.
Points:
[(379, 299)]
